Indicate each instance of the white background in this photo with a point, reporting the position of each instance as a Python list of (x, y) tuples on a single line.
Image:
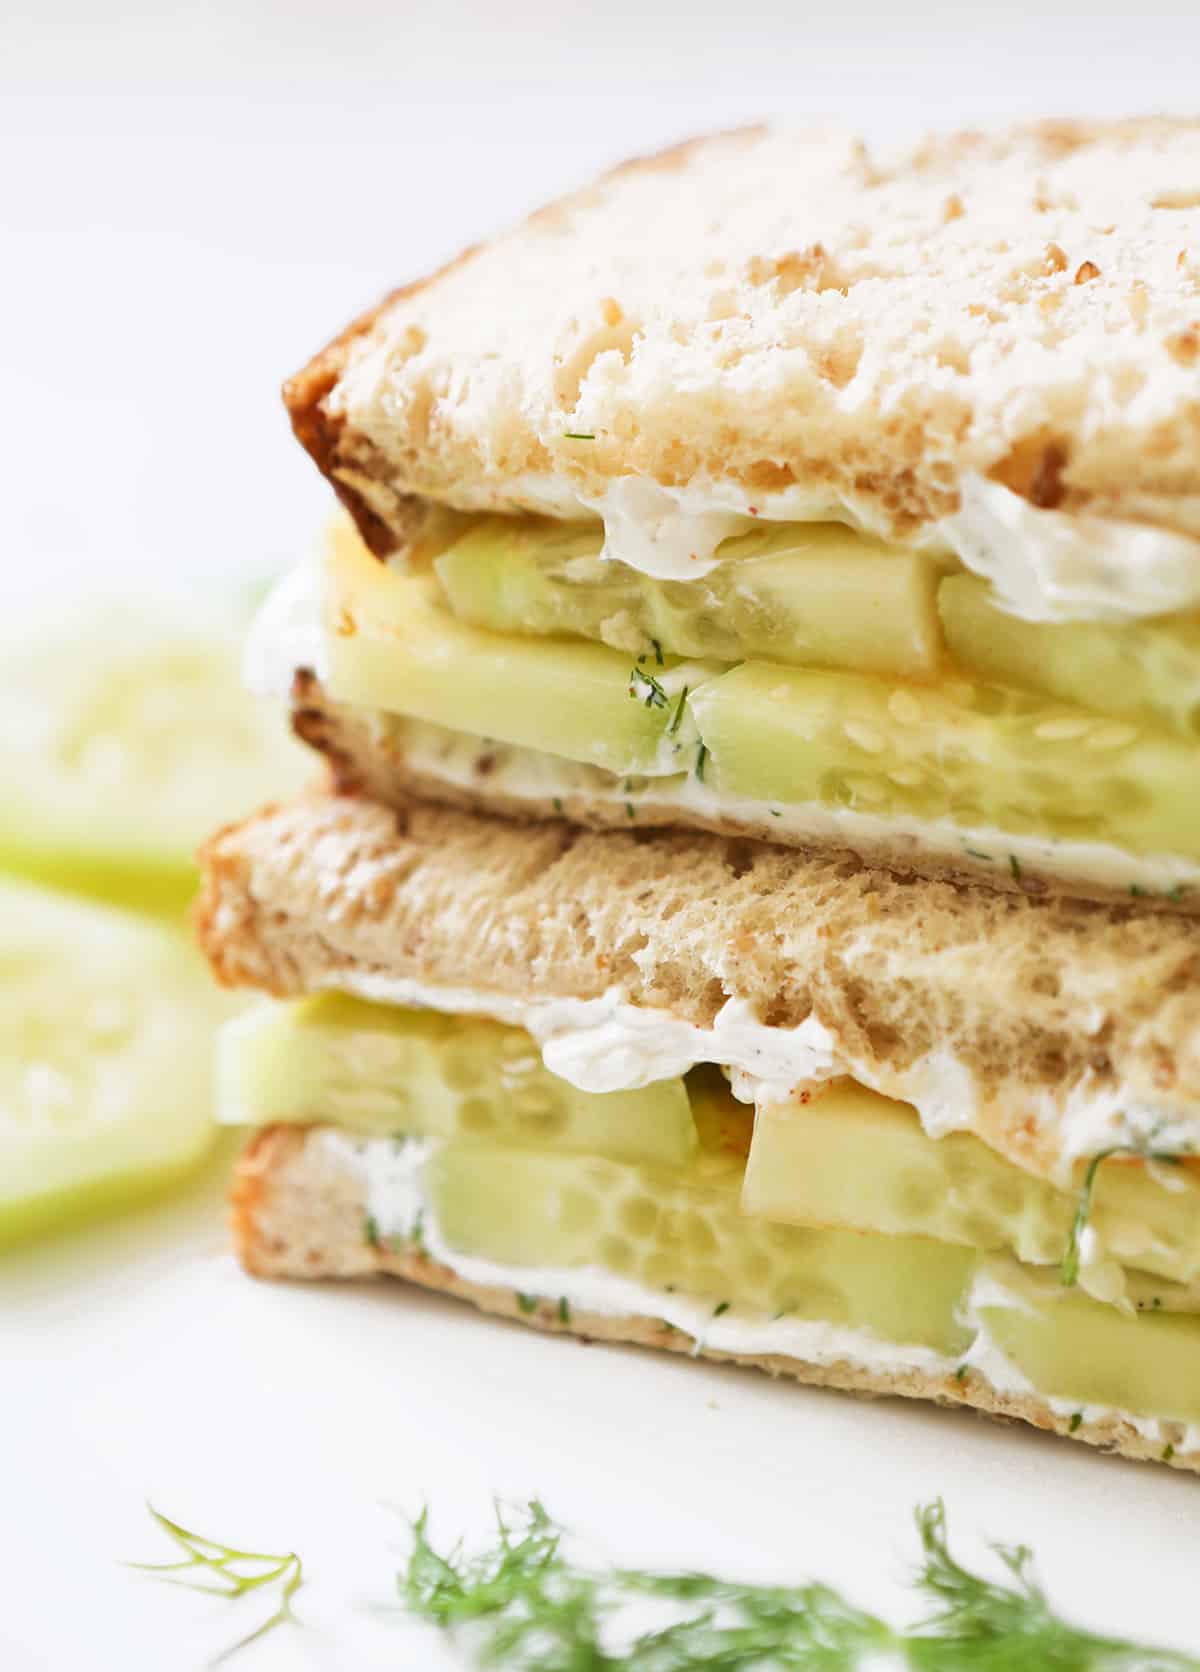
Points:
[(193, 199)]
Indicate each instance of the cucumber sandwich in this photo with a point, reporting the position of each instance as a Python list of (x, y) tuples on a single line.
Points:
[(755, 908), (773, 488)]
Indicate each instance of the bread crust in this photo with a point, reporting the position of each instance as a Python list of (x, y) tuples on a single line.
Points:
[(801, 314), (364, 759), (1037, 1001), (297, 1215)]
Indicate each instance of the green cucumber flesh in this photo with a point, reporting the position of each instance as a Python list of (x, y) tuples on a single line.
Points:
[(381, 1069), (980, 756), (816, 594), (683, 1229), (1147, 671)]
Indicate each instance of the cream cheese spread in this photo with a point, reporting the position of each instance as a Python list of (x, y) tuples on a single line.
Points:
[(532, 775), (607, 1044), (1050, 566), (1045, 565), (399, 1205)]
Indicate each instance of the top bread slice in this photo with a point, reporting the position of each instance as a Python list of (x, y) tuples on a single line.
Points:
[(1007, 1010), (781, 311)]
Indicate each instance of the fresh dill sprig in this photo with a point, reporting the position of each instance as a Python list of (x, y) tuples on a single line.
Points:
[(673, 727), (647, 690), (525, 1606), (221, 1570), (1069, 1270)]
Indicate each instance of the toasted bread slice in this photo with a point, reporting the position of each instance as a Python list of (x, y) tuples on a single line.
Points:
[(786, 318), (1037, 1022), (297, 1213)]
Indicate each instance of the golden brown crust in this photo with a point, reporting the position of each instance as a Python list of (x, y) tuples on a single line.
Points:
[(297, 1215), (321, 433), (1065, 249)]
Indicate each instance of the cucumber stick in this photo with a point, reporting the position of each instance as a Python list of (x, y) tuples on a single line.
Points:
[(1147, 671), (127, 738), (848, 1157), (977, 755), (683, 1228), (809, 593), (391, 646), (106, 1032), (1073, 1348), (379, 1069)]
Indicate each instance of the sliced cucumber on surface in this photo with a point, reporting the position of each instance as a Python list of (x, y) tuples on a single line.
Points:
[(811, 593), (849, 1157), (390, 645), (1074, 1348), (978, 755), (106, 1038), (127, 738), (683, 1228), (1145, 670), (381, 1069)]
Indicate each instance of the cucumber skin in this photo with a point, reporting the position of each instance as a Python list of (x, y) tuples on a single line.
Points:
[(1147, 671), (969, 754)]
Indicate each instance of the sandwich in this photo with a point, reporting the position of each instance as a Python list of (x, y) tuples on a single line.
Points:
[(774, 489), (714, 1095), (753, 908)]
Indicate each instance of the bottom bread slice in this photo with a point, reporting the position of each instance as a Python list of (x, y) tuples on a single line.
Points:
[(299, 1213)]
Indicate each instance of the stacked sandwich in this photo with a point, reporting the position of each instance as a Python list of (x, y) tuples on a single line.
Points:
[(756, 910)]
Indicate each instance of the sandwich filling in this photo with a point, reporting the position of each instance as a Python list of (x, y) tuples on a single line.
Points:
[(828, 1225), (806, 681)]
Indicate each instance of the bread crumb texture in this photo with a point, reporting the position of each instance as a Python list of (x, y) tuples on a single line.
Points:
[(788, 311), (299, 1213), (1035, 998)]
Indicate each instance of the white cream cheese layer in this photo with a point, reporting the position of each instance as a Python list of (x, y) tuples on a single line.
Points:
[(608, 1044), (399, 1205), (1045, 565), (988, 1360), (533, 776), (1048, 566)]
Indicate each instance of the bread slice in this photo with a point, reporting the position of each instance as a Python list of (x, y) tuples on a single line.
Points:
[(1022, 1018), (789, 314), (394, 761), (298, 1214)]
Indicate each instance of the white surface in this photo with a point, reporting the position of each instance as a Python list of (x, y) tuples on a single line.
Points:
[(195, 195)]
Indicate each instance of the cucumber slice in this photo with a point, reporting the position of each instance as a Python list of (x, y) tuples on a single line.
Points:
[(849, 1157), (379, 1069), (982, 756), (1074, 1348), (106, 1035), (127, 738), (1145, 670), (683, 1228), (809, 593), (391, 647)]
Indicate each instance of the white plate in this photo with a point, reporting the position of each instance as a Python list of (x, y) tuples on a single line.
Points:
[(139, 1363)]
